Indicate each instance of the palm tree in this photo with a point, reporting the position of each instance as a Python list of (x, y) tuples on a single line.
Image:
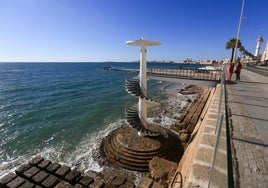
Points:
[(231, 45)]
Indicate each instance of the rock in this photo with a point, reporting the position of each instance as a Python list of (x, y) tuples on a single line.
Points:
[(145, 182), (162, 170), (184, 137)]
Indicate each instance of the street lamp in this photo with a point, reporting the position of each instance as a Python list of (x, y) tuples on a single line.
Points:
[(238, 31)]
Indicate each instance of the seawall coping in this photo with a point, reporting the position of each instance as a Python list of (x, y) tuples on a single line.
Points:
[(195, 166)]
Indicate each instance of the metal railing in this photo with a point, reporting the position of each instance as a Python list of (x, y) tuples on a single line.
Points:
[(222, 117), (198, 74)]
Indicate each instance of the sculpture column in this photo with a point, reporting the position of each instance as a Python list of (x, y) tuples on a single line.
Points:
[(143, 72)]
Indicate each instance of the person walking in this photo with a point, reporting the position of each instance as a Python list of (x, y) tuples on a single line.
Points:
[(231, 71), (238, 71)]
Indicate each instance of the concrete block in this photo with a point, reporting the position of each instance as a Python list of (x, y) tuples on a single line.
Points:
[(85, 181), (72, 176), (63, 184), (50, 181), (16, 182), (44, 164), (7, 178), (27, 184), (36, 160), (40, 176), (31, 172), (22, 168), (52, 168), (63, 171)]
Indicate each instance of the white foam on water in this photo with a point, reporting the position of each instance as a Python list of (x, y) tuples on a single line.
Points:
[(170, 109), (82, 157)]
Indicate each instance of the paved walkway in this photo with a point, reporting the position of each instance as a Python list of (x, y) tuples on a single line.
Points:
[(248, 105)]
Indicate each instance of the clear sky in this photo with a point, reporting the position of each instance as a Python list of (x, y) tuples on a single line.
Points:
[(96, 30)]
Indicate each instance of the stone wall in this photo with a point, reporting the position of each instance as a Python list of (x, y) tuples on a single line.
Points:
[(195, 166)]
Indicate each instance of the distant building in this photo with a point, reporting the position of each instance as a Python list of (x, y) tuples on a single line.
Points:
[(259, 42), (265, 53), (208, 61)]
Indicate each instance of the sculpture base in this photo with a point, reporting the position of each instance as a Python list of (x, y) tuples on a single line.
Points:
[(125, 148)]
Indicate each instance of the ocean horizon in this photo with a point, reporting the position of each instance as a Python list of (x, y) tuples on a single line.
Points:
[(63, 110)]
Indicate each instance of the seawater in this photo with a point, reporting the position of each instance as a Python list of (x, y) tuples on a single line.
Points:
[(62, 110)]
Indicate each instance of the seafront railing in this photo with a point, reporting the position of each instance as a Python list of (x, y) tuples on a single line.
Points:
[(222, 118), (191, 74), (199, 74)]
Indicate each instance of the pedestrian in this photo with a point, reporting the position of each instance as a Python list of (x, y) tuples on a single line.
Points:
[(238, 70), (231, 71)]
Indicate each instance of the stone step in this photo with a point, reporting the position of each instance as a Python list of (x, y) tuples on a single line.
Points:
[(128, 150)]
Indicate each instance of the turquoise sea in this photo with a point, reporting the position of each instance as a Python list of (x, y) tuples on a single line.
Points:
[(62, 110)]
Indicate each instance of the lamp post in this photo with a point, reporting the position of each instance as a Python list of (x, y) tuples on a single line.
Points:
[(238, 31)]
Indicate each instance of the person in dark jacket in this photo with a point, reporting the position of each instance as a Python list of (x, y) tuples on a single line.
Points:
[(238, 71)]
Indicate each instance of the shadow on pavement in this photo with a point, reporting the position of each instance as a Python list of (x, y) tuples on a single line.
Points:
[(260, 143), (250, 117)]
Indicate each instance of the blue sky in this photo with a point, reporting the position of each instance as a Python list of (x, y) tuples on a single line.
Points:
[(96, 30)]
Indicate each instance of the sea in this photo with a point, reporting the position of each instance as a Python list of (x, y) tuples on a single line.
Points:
[(62, 111)]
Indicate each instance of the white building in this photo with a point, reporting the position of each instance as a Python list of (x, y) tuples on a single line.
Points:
[(265, 53)]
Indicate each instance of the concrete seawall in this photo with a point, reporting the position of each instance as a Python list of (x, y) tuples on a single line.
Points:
[(195, 166)]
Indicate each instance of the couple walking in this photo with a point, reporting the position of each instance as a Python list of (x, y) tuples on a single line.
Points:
[(237, 70)]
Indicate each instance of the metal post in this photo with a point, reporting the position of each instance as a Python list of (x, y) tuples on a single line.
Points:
[(238, 31)]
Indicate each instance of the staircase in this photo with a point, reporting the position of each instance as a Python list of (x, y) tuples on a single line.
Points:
[(132, 114), (134, 146)]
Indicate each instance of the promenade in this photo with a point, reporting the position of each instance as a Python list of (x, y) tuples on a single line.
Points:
[(248, 108)]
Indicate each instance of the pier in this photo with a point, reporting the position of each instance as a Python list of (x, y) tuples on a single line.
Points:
[(185, 74)]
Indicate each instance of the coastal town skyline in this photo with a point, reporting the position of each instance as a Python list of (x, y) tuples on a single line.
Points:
[(96, 31)]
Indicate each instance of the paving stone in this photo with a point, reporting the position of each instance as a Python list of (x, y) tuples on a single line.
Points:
[(7, 178), (44, 164), (63, 171), (52, 168), (22, 168), (31, 172), (16, 182), (40, 176), (50, 181), (36, 160), (71, 176), (85, 181)]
